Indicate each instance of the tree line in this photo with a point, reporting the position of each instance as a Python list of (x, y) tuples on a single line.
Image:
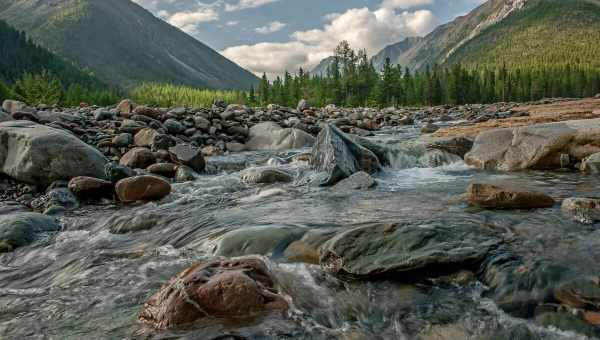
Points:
[(352, 80)]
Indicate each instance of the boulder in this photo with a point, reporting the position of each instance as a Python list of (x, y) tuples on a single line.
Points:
[(541, 146), (138, 158), (591, 164), (406, 250), (225, 289), (184, 174), (269, 136), (146, 111), (142, 188), (13, 106), (145, 137), (126, 107), (358, 181), (264, 176), (20, 229), (459, 146), (582, 210), (91, 188), (495, 197), (191, 156), (339, 157), (234, 110), (5, 117), (260, 240), (40, 155)]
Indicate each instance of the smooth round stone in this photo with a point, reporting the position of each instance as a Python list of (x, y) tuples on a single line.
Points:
[(142, 188)]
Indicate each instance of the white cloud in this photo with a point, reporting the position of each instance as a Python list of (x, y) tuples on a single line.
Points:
[(232, 23), (275, 26), (404, 4), (361, 27), (245, 4), (188, 21)]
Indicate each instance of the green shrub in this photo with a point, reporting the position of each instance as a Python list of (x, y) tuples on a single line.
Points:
[(41, 88), (168, 95)]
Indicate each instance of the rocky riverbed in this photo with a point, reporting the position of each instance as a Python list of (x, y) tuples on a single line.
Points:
[(233, 222)]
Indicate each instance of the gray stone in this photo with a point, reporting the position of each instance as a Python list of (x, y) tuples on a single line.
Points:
[(303, 105), (358, 181), (591, 164), (259, 240), (5, 117), (173, 127), (339, 157), (235, 147), (122, 140), (269, 136), (20, 229), (115, 172), (184, 174), (405, 249), (103, 114), (185, 154), (264, 176), (40, 155), (13, 106), (538, 146)]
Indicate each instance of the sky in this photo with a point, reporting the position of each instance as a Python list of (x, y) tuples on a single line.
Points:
[(272, 36)]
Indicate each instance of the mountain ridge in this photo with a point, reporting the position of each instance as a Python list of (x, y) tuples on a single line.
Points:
[(123, 43)]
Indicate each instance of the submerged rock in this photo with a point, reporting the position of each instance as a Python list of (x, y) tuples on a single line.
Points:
[(269, 136), (142, 188), (495, 197), (582, 210), (591, 164), (259, 240), (184, 174), (404, 251), (264, 176), (19, 229), (228, 289), (339, 157), (40, 155), (539, 146), (115, 172), (358, 181)]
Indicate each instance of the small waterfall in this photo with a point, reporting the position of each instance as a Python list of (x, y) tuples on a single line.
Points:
[(407, 155)]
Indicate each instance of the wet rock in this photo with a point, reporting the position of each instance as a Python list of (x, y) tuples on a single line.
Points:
[(358, 181), (339, 157), (381, 151), (20, 229), (163, 142), (91, 188), (568, 322), (13, 106), (264, 176), (582, 210), (56, 197), (132, 126), (303, 105), (210, 151), (406, 251), (5, 117), (142, 188), (184, 174), (433, 158), (459, 146), (269, 240), (188, 155), (591, 164), (495, 197), (308, 248), (228, 289), (163, 169), (269, 136), (115, 172), (138, 158), (540, 146), (145, 137), (39, 155)]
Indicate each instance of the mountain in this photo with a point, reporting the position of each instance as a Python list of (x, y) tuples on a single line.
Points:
[(18, 55), (524, 32), (394, 51), (122, 43), (323, 66)]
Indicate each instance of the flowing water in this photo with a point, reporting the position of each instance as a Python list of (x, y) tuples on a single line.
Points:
[(88, 283)]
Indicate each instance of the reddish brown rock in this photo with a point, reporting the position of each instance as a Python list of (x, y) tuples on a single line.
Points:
[(163, 169), (89, 187), (495, 197), (592, 318), (147, 111), (138, 158), (142, 188), (239, 288)]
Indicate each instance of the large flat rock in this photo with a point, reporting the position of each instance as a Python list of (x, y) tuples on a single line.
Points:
[(38, 154)]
